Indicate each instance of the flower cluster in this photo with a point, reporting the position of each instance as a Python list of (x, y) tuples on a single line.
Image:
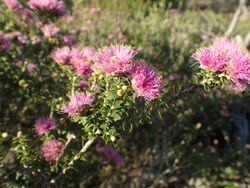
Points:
[(13, 4), (52, 150), (54, 6), (44, 125), (80, 59), (79, 102), (116, 60), (225, 55)]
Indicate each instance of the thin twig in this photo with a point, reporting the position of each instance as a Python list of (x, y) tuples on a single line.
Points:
[(76, 157), (240, 10)]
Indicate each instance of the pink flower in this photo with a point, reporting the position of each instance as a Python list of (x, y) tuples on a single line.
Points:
[(19, 63), (52, 150), (109, 152), (44, 125), (81, 66), (225, 55), (89, 53), (4, 43), (82, 60), (50, 30), (238, 70), (215, 57), (62, 55), (13, 4), (146, 82), (31, 67), (69, 40), (115, 59), (27, 14), (83, 84), (22, 39), (79, 102), (53, 6)]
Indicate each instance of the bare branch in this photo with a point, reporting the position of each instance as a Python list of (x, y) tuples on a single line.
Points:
[(240, 10)]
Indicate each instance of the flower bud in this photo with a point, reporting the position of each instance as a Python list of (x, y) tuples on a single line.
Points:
[(112, 138), (119, 92), (22, 83), (124, 87), (19, 134), (100, 77), (5, 135)]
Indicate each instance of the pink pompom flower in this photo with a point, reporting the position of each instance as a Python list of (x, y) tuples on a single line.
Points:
[(50, 30), (238, 70), (4, 43), (225, 55), (62, 55), (52, 6), (109, 152), (79, 102), (31, 68), (44, 125), (52, 150), (116, 59), (13, 4), (145, 81), (215, 56)]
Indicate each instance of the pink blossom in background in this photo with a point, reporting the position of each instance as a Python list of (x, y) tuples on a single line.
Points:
[(4, 43), (44, 125), (110, 37), (62, 55), (50, 30), (19, 63), (173, 11), (22, 39), (225, 55), (27, 14), (52, 150), (52, 6), (31, 68), (13, 4), (83, 84), (146, 82), (39, 24), (116, 59), (69, 40), (109, 152), (79, 102)]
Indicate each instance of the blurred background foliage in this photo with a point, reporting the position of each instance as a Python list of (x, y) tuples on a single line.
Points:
[(194, 141)]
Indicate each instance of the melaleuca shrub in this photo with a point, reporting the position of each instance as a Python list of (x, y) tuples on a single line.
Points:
[(61, 98), (224, 63)]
